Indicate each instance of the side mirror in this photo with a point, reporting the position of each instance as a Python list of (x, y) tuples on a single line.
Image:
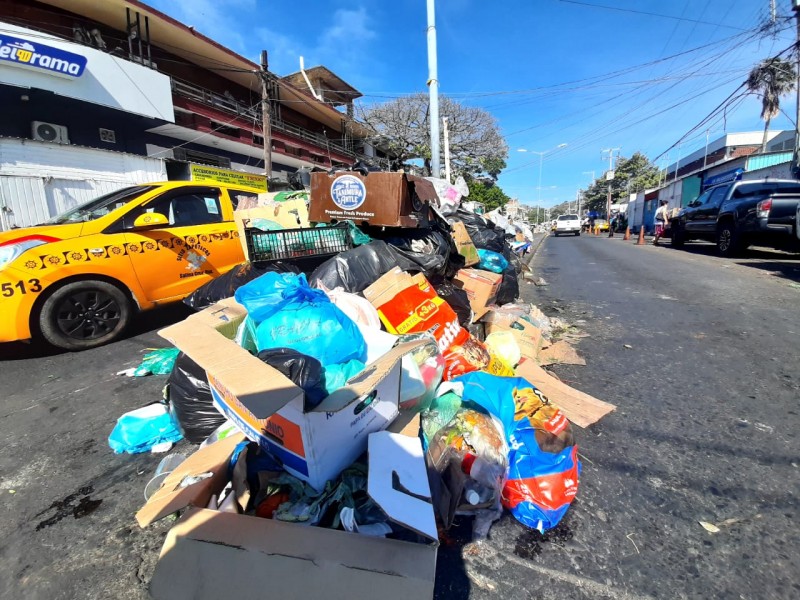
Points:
[(150, 220)]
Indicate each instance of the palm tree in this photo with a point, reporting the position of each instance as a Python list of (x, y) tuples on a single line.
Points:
[(771, 79)]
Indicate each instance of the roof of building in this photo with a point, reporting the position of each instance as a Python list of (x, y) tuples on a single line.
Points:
[(334, 89), (184, 41)]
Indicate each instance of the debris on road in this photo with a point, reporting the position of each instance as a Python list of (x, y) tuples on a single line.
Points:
[(344, 389)]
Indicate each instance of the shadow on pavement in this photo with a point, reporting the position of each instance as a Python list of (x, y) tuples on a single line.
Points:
[(786, 269), (141, 324)]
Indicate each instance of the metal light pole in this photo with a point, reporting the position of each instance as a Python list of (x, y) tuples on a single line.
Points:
[(539, 188), (433, 85)]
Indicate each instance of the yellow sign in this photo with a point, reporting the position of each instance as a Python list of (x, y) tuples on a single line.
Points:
[(202, 173)]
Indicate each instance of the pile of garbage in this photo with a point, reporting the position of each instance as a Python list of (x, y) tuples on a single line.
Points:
[(383, 389)]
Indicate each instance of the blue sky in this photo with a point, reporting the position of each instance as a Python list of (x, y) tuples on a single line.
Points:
[(516, 59)]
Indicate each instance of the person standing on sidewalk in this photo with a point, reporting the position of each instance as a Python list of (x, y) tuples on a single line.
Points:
[(661, 221)]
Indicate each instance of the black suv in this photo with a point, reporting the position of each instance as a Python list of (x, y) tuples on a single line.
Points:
[(736, 215)]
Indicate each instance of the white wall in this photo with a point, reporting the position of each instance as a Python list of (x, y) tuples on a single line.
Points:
[(39, 180), (106, 80)]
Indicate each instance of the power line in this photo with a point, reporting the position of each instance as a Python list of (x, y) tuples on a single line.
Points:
[(650, 14)]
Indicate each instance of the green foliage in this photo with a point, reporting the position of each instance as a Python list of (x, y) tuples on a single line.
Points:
[(490, 195), (771, 79), (632, 175)]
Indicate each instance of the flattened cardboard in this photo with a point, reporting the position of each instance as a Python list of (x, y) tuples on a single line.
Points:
[(560, 353), (314, 446), (464, 244), (580, 408), (410, 505), (209, 555), (170, 498), (481, 287)]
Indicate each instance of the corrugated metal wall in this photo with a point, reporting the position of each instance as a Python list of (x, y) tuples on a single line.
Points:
[(39, 180)]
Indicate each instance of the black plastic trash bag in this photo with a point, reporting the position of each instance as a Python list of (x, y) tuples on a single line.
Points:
[(225, 285), (357, 269), (456, 298), (190, 400), (509, 286), (484, 234), (430, 249), (304, 371)]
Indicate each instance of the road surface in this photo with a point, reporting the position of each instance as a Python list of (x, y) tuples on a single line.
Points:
[(698, 353)]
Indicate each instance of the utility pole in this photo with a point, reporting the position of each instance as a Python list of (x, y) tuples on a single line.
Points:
[(265, 115), (772, 12), (446, 150), (433, 85), (705, 156), (609, 177), (796, 157)]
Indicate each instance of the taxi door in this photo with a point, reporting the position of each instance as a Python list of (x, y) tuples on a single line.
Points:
[(199, 243)]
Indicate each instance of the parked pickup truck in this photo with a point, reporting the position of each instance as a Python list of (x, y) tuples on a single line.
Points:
[(736, 215)]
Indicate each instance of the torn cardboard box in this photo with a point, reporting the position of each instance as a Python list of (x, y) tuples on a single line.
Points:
[(209, 555), (580, 408), (317, 445), (481, 287), (527, 335)]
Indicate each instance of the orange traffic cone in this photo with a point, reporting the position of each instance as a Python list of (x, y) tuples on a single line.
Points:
[(640, 241), (627, 235)]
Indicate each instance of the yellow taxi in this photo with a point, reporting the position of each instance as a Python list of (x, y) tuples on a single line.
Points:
[(77, 280)]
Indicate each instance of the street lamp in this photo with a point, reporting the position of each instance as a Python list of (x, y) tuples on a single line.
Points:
[(539, 189)]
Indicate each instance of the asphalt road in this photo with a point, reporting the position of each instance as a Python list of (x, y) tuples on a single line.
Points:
[(698, 353)]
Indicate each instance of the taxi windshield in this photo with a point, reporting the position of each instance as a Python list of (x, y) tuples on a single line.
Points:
[(99, 207)]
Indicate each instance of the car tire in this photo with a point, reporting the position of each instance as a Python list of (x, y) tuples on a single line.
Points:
[(577, 233), (729, 242), (555, 234), (84, 314), (678, 238)]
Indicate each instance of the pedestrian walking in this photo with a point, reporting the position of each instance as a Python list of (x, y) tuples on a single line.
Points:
[(661, 221)]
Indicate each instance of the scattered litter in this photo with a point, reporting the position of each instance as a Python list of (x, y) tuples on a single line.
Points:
[(157, 362), (635, 547), (764, 428), (541, 282), (710, 527), (628, 346), (161, 448)]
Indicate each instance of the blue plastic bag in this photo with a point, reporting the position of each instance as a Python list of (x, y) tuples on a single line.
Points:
[(290, 314), (543, 460), (141, 429), (266, 295), (492, 261)]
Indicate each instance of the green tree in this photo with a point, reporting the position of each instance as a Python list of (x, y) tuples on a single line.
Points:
[(488, 194), (771, 79), (403, 127), (632, 175)]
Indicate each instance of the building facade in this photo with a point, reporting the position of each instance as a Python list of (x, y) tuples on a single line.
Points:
[(107, 94)]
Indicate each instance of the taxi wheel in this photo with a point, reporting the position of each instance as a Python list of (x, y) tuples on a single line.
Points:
[(84, 314)]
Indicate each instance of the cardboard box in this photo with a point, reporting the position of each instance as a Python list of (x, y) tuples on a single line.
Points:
[(387, 199), (481, 287), (209, 555), (314, 446), (527, 335), (464, 244)]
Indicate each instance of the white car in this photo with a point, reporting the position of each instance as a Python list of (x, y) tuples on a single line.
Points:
[(567, 224)]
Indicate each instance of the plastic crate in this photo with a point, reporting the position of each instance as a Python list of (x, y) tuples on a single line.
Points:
[(289, 244)]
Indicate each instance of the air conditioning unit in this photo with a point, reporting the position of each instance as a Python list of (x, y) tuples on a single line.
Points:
[(49, 132)]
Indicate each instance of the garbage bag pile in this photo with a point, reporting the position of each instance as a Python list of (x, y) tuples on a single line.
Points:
[(312, 366)]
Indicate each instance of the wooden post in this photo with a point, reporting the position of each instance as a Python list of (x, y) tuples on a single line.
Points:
[(265, 115)]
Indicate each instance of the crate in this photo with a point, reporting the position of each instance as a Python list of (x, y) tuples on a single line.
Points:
[(302, 246)]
